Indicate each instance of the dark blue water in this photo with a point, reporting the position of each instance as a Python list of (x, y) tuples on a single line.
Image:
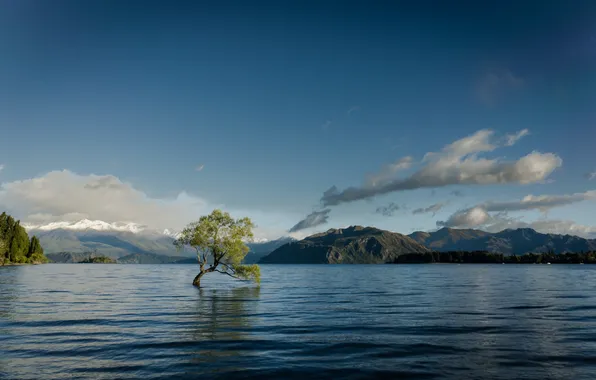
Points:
[(414, 321)]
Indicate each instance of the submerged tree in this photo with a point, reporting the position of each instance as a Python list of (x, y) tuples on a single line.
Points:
[(219, 241)]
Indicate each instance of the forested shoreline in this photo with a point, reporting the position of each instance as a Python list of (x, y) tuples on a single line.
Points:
[(485, 257), (15, 245)]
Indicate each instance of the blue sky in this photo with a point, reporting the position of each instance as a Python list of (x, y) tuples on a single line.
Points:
[(279, 101)]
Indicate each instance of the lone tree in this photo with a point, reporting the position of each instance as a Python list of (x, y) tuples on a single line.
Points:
[(219, 241)]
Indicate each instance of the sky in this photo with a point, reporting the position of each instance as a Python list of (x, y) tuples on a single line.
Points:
[(302, 115)]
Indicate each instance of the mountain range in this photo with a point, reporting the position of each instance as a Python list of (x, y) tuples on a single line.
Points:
[(371, 245), (355, 244), (508, 242), (127, 242)]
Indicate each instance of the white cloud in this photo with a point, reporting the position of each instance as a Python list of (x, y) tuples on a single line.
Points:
[(200, 167), (512, 139), (326, 125), (456, 163), (1, 167), (64, 196), (591, 176), (473, 217)]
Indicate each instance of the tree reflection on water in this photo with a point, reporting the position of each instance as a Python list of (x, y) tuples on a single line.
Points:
[(223, 323)]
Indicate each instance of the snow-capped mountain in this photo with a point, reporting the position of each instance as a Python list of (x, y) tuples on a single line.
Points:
[(117, 239), (87, 224)]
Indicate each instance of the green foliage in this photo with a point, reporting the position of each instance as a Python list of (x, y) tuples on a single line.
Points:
[(15, 247), (247, 272), (219, 240)]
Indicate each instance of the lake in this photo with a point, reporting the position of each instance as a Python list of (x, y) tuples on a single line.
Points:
[(98, 321)]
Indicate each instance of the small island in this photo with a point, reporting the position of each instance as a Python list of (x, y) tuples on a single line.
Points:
[(98, 260), (15, 246)]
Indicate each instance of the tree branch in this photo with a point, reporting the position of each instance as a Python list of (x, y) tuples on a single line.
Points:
[(229, 274), (199, 255)]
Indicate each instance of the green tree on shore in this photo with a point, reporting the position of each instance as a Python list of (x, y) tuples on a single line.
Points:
[(15, 246), (219, 242)]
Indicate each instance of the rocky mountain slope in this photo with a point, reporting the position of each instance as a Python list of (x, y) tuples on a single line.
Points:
[(353, 245)]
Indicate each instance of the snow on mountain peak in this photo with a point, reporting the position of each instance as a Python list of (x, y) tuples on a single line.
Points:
[(99, 225), (87, 224)]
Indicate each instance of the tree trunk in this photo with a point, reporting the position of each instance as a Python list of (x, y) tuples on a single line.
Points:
[(197, 281)]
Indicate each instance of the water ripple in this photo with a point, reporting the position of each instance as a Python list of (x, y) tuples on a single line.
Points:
[(315, 322)]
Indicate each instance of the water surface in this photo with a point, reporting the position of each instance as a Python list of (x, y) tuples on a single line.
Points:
[(97, 321)]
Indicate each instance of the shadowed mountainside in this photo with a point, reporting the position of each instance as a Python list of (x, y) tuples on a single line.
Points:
[(353, 245)]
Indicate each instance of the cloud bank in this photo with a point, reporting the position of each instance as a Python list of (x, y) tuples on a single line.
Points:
[(64, 196), (456, 164)]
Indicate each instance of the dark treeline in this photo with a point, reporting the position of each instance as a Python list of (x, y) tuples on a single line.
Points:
[(484, 257), (15, 246)]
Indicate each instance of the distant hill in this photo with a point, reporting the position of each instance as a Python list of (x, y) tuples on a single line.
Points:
[(69, 257), (109, 243), (137, 258), (353, 245), (68, 245), (260, 250), (509, 241)]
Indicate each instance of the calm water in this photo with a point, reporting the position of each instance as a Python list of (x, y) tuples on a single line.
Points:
[(414, 321)]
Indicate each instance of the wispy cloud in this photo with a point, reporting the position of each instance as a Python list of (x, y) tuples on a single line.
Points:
[(353, 109), (316, 218), (1, 167), (388, 210), (457, 163), (513, 138), (200, 167), (495, 84), (326, 125), (389, 171), (591, 176), (434, 208)]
